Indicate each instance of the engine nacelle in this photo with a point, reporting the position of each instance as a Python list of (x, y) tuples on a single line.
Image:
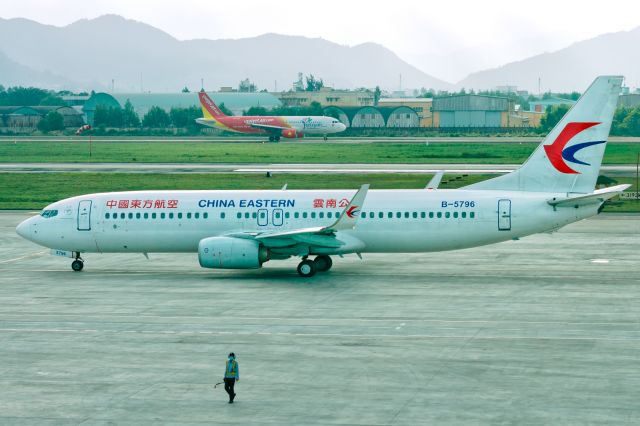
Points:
[(231, 253), (292, 133)]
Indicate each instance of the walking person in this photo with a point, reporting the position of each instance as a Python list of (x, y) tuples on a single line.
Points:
[(231, 375)]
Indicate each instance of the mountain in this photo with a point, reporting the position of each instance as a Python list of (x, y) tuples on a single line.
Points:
[(14, 74), (136, 55), (571, 68)]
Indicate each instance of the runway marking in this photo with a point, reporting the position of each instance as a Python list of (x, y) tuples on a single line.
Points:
[(26, 256), (599, 260), (340, 335)]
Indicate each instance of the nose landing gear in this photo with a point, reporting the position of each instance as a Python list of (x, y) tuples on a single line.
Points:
[(78, 263)]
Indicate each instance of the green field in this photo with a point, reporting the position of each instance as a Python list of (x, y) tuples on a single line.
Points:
[(77, 151), (36, 190)]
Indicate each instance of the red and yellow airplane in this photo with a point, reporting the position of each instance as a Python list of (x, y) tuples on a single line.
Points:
[(275, 126)]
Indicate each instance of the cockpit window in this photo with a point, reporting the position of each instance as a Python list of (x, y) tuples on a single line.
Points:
[(49, 213)]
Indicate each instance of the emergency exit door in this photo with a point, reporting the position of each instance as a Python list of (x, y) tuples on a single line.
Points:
[(504, 215), (84, 215)]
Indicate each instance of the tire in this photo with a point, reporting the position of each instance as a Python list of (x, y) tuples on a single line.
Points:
[(271, 138), (77, 265), (323, 263), (307, 268)]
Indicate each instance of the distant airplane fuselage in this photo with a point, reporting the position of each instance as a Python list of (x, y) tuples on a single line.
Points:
[(274, 126)]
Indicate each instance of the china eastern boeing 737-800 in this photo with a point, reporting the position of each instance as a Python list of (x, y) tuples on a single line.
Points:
[(244, 229), (274, 126)]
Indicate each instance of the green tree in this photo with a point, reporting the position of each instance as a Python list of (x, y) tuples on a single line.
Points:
[(52, 121), (313, 84), (129, 116), (224, 109), (256, 110), (156, 117), (631, 123), (552, 116), (376, 95), (108, 116), (617, 128), (185, 89)]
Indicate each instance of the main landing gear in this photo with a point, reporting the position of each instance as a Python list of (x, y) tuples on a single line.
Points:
[(274, 138), (308, 268), (325, 138), (78, 263)]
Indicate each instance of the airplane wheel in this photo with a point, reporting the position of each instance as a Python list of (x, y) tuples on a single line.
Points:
[(323, 263), (77, 265), (271, 138), (325, 138), (277, 138), (307, 268)]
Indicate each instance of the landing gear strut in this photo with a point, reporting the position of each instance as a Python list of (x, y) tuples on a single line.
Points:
[(78, 263), (325, 138)]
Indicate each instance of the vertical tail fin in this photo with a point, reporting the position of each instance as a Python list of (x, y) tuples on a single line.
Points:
[(209, 108), (569, 158)]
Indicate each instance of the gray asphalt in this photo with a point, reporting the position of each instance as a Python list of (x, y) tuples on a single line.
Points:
[(544, 330)]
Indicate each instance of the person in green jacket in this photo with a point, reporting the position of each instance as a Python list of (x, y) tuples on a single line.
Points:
[(231, 376)]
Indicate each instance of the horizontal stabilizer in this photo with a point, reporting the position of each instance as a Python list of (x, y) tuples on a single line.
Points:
[(435, 180), (597, 197)]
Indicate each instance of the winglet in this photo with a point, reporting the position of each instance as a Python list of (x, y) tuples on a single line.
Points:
[(351, 213), (435, 180)]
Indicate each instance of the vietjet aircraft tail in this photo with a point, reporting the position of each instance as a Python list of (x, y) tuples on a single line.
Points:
[(569, 158), (209, 109)]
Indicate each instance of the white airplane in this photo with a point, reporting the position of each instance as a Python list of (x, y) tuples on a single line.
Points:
[(244, 229)]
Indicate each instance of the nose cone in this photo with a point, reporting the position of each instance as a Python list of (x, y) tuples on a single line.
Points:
[(24, 229), (342, 127)]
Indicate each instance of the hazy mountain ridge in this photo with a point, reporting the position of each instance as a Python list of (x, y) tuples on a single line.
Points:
[(571, 68), (134, 54)]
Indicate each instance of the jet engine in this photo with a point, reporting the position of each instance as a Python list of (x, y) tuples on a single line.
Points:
[(291, 133), (231, 253)]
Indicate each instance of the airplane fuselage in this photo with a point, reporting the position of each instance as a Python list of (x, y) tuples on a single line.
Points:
[(312, 125), (390, 221)]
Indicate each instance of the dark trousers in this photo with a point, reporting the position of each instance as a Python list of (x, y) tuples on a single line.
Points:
[(228, 386)]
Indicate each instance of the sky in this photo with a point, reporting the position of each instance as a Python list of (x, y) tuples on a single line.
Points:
[(448, 38)]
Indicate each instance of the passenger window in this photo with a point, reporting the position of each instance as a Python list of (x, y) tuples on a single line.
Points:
[(415, 215), (137, 215), (106, 215), (406, 215), (337, 215), (153, 215), (329, 215), (130, 215), (464, 214), (222, 215), (430, 215), (146, 215), (286, 215), (455, 215), (472, 215), (313, 215), (121, 215), (447, 214), (390, 215), (304, 215), (371, 215), (321, 215), (189, 215), (254, 215), (262, 215), (246, 215), (380, 215), (296, 215), (180, 215), (439, 215), (423, 215), (239, 215), (398, 215), (205, 215), (162, 215), (277, 215), (197, 215)]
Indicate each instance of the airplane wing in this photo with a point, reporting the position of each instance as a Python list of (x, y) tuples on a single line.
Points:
[(596, 197), (269, 128), (435, 180), (319, 236)]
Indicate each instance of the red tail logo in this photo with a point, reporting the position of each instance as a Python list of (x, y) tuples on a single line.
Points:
[(556, 152), (209, 105)]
